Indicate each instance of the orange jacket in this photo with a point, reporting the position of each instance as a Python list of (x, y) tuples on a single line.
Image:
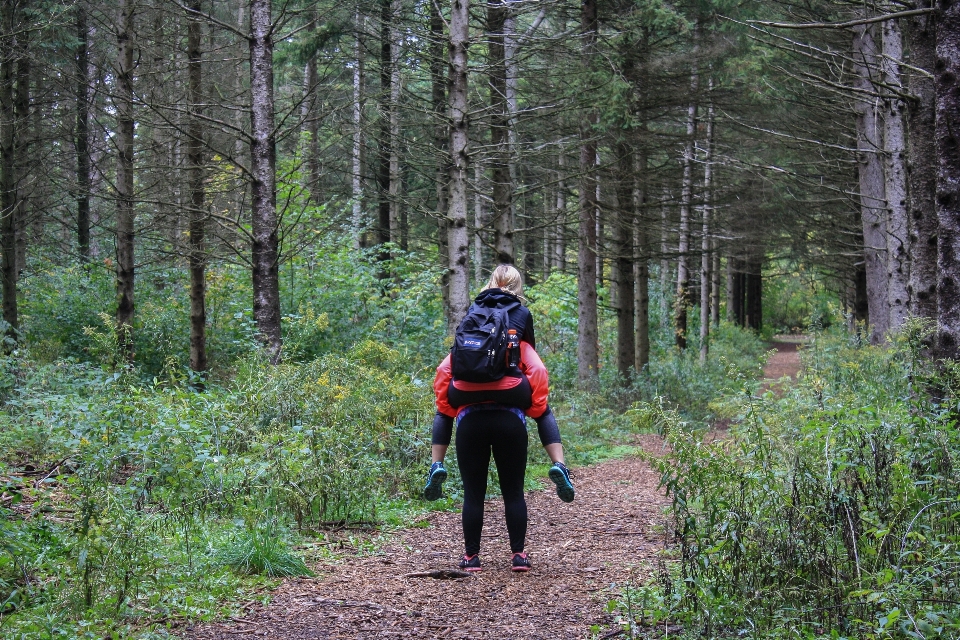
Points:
[(530, 364)]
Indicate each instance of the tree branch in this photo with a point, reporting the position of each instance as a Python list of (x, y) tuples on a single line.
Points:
[(841, 25)]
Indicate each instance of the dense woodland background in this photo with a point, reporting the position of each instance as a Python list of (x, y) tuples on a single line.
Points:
[(236, 233)]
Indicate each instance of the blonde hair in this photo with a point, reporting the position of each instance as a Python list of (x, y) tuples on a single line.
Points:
[(506, 277)]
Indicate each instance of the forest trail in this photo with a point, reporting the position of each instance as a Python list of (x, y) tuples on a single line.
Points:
[(785, 363), (582, 554)]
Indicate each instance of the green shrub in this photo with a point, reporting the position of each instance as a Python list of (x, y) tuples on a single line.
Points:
[(833, 510)]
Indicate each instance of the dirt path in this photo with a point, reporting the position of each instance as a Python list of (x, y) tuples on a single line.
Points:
[(785, 363), (582, 553)]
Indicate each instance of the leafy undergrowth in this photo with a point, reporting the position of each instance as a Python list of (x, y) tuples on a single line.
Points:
[(133, 504), (832, 512)]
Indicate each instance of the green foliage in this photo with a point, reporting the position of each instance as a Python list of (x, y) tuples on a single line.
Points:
[(796, 299), (150, 478), (832, 511)]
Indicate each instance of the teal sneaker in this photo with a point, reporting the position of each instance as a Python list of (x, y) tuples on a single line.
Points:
[(435, 478), (561, 477)]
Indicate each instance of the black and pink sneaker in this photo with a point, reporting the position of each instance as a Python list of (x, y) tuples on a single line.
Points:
[(471, 563), (520, 562)]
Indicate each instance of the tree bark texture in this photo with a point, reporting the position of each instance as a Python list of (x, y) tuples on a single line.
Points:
[(311, 124), (502, 213), (560, 246), (395, 176), (263, 164), (123, 103), (385, 110), (895, 175), (195, 163), (479, 220), (458, 240), (623, 239), (922, 176), (872, 196), (641, 264), (21, 145), (8, 182), (947, 137), (587, 338), (682, 300), (753, 289), (82, 139), (441, 137), (356, 179), (705, 243)]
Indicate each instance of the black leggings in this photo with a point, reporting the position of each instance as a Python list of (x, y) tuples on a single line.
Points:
[(502, 432)]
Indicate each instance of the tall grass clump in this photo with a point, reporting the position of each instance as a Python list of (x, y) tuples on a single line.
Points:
[(831, 512)]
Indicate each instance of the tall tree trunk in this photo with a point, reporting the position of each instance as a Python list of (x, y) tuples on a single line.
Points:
[(125, 213), (263, 164), (872, 197), (311, 123), (479, 220), (24, 186), (499, 134), (8, 184), (948, 180), (682, 300), (560, 248), (83, 136), (195, 162), (706, 240), (587, 338), (754, 294), (923, 173), (664, 258), (641, 263), (895, 175), (396, 222), (385, 112), (356, 183), (715, 285), (458, 241), (625, 284), (441, 138)]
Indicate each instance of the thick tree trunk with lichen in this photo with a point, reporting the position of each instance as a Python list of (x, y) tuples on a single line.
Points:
[(895, 176), (947, 84), (457, 236), (923, 174), (263, 161), (870, 165)]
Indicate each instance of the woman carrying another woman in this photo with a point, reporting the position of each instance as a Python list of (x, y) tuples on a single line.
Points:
[(491, 419)]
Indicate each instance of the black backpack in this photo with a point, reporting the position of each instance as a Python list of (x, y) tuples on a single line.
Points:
[(479, 351)]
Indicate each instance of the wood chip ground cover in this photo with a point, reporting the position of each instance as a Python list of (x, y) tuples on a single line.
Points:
[(582, 553)]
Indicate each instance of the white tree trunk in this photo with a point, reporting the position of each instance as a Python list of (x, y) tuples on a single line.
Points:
[(705, 244), (681, 301), (357, 216), (894, 142), (872, 196), (458, 240)]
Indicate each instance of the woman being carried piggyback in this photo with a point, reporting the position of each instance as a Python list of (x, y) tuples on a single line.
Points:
[(491, 416)]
